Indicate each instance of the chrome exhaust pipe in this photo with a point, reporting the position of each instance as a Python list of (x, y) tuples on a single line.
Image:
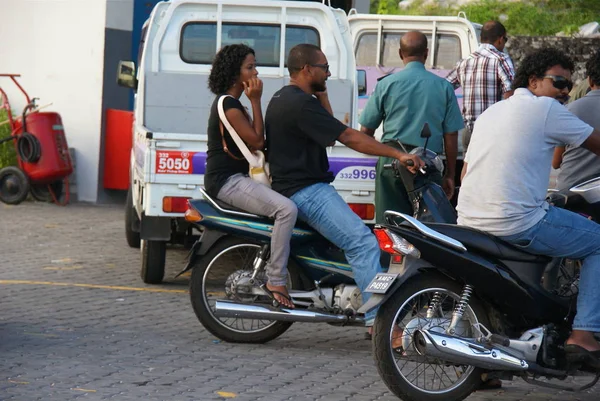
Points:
[(464, 351), (253, 311)]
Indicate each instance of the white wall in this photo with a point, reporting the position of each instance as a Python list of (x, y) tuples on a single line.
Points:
[(58, 48)]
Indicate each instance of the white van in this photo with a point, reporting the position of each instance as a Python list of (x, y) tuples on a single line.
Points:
[(376, 41), (173, 101)]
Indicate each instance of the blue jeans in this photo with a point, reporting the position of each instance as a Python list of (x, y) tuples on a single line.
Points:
[(565, 234), (323, 209)]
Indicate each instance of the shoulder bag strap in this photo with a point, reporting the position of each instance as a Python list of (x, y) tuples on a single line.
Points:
[(252, 160)]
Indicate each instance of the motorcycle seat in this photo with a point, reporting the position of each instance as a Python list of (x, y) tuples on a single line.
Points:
[(231, 211), (481, 241)]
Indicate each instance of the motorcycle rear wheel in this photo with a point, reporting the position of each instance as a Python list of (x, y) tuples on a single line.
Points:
[(413, 377), (208, 282)]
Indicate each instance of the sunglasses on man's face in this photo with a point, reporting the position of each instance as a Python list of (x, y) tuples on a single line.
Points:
[(325, 67), (560, 82)]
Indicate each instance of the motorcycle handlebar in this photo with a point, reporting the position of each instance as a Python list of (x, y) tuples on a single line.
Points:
[(389, 166)]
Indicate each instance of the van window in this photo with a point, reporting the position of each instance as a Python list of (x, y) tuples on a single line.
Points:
[(199, 40), (447, 50)]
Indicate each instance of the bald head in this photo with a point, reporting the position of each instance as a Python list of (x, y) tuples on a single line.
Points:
[(413, 44), (491, 31)]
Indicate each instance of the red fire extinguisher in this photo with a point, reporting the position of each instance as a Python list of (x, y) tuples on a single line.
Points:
[(42, 155)]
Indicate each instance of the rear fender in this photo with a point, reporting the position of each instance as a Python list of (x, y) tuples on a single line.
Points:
[(201, 247), (408, 268)]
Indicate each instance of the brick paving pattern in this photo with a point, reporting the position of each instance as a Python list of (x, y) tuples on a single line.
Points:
[(77, 323)]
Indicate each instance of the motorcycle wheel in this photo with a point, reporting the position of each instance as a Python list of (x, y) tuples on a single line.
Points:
[(413, 377), (211, 281)]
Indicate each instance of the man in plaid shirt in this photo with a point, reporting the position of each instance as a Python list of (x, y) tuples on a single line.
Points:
[(485, 76)]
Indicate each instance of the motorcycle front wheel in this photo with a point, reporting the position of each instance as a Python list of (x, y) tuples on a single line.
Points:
[(216, 275), (411, 376)]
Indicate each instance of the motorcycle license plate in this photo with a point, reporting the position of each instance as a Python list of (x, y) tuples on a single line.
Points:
[(381, 283)]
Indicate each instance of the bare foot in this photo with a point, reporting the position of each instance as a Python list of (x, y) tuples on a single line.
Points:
[(396, 336), (584, 339), (281, 294)]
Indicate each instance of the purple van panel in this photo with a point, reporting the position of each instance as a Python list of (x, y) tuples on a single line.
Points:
[(199, 163), (336, 164)]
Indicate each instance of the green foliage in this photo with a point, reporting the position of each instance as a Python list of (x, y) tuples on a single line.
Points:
[(8, 156), (526, 17)]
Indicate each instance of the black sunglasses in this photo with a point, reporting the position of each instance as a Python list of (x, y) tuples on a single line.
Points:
[(323, 66), (560, 82), (505, 39)]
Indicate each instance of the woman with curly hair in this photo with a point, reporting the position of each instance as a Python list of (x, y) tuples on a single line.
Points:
[(233, 73)]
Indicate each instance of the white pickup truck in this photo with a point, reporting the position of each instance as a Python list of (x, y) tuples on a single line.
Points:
[(172, 101)]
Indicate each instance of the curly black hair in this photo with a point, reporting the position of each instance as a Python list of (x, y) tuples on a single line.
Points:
[(592, 68), (226, 67), (538, 62)]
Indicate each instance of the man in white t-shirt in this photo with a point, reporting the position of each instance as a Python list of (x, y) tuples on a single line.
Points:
[(506, 174)]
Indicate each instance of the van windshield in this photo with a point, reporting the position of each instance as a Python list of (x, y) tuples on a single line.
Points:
[(199, 40), (447, 50)]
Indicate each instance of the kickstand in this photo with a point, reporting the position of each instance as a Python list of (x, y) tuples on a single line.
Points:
[(559, 387)]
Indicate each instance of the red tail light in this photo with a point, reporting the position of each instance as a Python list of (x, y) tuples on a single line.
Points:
[(395, 245), (174, 204), (386, 243), (365, 211)]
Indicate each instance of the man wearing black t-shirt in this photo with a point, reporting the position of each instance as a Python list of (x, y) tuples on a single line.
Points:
[(299, 127)]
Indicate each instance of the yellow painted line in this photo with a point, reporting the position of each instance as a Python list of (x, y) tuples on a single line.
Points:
[(226, 394), (63, 268), (51, 225), (83, 389), (41, 334), (63, 260), (104, 287), (16, 382)]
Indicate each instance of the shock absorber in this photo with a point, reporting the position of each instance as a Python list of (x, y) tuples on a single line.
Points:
[(260, 261), (460, 308), (433, 305)]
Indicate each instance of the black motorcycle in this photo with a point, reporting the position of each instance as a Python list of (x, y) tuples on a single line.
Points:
[(462, 303)]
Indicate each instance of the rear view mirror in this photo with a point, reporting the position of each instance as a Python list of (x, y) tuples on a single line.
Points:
[(425, 132), (126, 75), (361, 81)]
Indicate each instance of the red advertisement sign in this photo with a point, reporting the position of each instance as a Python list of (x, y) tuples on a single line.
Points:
[(174, 162)]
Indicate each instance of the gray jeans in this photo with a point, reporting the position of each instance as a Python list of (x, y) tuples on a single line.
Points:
[(245, 193)]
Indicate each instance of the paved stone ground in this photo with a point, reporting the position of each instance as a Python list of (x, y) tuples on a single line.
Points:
[(76, 322)]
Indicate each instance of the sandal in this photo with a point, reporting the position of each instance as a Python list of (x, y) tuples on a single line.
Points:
[(271, 294), (490, 384), (578, 354)]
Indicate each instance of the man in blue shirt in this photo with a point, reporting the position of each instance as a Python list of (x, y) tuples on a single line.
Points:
[(404, 102)]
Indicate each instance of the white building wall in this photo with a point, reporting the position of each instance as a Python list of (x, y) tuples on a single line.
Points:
[(58, 48)]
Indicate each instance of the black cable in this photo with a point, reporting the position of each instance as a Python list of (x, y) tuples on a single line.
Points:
[(29, 148)]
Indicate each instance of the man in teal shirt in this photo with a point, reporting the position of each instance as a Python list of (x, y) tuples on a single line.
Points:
[(405, 101)]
